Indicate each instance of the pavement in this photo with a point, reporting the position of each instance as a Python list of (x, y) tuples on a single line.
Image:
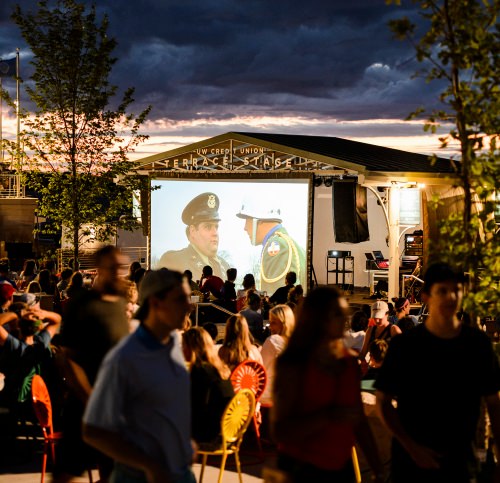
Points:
[(27, 469), (252, 463), (211, 475)]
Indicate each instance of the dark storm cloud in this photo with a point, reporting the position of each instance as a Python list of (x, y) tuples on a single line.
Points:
[(224, 58)]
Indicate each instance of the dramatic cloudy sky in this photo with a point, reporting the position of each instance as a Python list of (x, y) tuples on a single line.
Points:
[(319, 67)]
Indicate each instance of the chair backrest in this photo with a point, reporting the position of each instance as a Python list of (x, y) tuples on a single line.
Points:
[(237, 416), (42, 405), (250, 375)]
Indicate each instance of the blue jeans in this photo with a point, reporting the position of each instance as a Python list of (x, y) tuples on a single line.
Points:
[(124, 474)]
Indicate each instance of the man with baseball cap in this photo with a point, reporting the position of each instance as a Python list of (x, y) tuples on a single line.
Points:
[(139, 411), (6, 296), (379, 327), (201, 217)]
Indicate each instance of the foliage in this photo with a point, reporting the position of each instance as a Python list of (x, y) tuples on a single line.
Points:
[(460, 48), (76, 143)]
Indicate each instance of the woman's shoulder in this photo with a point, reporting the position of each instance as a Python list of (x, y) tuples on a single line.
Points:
[(254, 354), (275, 341)]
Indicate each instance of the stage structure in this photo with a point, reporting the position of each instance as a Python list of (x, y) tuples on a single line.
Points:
[(230, 180)]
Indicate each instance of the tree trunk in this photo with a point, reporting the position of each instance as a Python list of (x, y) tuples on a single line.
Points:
[(76, 263)]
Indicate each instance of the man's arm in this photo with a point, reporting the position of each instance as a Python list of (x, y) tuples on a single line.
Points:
[(120, 450), (366, 341), (52, 318), (422, 456), (6, 318), (493, 406)]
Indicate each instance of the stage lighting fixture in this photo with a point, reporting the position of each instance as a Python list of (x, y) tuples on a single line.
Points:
[(328, 182), (318, 181)]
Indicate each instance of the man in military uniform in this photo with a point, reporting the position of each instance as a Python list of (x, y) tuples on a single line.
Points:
[(201, 217), (280, 252)]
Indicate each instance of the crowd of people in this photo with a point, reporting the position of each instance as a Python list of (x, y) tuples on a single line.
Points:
[(136, 388)]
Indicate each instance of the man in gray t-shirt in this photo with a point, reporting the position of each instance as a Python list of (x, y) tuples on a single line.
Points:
[(139, 410)]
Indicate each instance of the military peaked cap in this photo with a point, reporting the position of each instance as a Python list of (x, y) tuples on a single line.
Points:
[(204, 207)]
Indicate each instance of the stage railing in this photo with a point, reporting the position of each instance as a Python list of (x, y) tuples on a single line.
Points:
[(405, 293), (210, 304)]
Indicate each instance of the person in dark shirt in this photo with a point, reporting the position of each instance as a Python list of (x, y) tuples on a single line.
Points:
[(229, 290), (211, 284), (211, 389), (94, 321), (281, 295), (253, 317), (439, 372), (5, 274)]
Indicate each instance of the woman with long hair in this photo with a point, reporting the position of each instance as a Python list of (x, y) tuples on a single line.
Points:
[(242, 294), (76, 285), (133, 267), (33, 287), (237, 346), (27, 274), (46, 283), (317, 414), (211, 389), (281, 324)]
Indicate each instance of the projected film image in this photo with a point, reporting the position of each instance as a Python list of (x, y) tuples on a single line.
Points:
[(257, 227)]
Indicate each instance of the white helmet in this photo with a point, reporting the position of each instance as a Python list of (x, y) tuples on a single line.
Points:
[(260, 211)]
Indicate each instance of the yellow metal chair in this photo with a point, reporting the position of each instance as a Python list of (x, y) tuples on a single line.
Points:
[(235, 420), (355, 464)]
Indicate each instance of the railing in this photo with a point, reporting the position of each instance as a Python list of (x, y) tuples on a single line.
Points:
[(11, 187), (406, 291), (210, 304), (86, 257)]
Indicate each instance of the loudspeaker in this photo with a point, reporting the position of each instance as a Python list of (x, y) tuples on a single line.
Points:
[(350, 217), (338, 254)]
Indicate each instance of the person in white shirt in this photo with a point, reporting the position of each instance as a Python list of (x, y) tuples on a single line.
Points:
[(355, 335), (281, 323)]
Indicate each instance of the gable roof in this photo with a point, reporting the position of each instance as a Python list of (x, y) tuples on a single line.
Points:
[(370, 156), (320, 154)]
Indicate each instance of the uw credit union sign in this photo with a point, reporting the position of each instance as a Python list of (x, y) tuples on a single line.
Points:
[(233, 155)]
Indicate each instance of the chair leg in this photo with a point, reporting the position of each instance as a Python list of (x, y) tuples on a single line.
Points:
[(89, 471), (222, 466), (53, 451), (203, 464), (44, 462), (238, 465), (257, 433), (355, 464)]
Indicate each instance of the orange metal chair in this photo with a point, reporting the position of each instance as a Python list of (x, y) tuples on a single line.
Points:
[(234, 423), (42, 407), (251, 375)]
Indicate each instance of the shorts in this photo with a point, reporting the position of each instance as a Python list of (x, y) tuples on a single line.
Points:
[(73, 455)]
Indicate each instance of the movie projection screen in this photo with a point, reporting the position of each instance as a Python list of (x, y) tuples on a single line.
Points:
[(279, 238)]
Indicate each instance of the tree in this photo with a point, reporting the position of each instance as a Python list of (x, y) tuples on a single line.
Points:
[(76, 143), (460, 48)]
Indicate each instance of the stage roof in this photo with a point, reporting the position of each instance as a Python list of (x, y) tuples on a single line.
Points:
[(243, 152)]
